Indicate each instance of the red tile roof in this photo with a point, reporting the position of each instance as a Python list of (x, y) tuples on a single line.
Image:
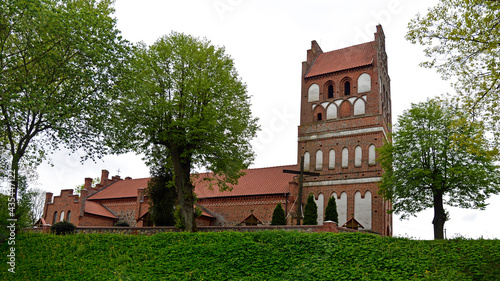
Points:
[(121, 189), (342, 59), (98, 209), (260, 181)]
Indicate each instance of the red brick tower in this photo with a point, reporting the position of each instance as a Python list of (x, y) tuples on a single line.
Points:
[(345, 116)]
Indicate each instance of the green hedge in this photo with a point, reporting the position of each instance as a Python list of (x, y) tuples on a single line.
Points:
[(268, 255)]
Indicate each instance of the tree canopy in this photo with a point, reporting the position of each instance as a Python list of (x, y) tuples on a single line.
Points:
[(58, 63), (438, 156), (331, 213), (279, 217), (462, 40), (310, 211), (184, 94)]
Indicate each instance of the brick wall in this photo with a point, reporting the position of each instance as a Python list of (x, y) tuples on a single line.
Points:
[(230, 211)]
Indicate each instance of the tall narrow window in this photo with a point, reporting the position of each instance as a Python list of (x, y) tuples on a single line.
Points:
[(319, 160), (55, 218), (371, 155), (345, 157), (68, 216), (331, 160), (347, 88), (307, 159), (62, 216), (357, 156), (320, 116), (330, 91)]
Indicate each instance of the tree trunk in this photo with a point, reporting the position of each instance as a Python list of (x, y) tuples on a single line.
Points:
[(439, 215), (182, 179)]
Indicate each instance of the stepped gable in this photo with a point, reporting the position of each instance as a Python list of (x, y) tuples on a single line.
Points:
[(260, 181), (120, 189), (342, 59), (98, 209)]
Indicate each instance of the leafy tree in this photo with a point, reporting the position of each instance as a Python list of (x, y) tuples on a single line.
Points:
[(58, 62), (162, 195), (462, 39), (438, 156), (185, 95), (279, 217), (311, 211), (36, 199), (331, 213)]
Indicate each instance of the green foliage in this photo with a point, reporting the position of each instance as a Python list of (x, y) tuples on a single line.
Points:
[(121, 223), (63, 228), (279, 217), (179, 219), (310, 211), (331, 213), (438, 155), (462, 40), (184, 95), (162, 194), (58, 63), (269, 255)]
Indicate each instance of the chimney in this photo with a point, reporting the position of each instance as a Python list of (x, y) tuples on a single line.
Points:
[(104, 177), (48, 200), (128, 178), (88, 184), (83, 200)]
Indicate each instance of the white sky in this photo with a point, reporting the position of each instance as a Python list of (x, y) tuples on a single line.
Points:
[(268, 41)]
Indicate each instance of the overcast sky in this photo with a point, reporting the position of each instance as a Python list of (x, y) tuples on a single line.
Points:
[(268, 41)]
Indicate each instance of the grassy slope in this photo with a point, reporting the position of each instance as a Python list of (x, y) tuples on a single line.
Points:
[(268, 255)]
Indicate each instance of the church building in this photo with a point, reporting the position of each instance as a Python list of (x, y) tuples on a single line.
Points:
[(344, 117)]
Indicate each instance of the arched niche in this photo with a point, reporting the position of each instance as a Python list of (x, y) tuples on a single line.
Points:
[(331, 159), (331, 111), (371, 155), (363, 209), (358, 156), (320, 203), (364, 83), (341, 207), (307, 161), (319, 160), (313, 93), (359, 107)]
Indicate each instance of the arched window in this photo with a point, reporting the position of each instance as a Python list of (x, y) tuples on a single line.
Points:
[(347, 88), (331, 162), (307, 159), (319, 160), (62, 216), (371, 155), (330, 91), (55, 218), (69, 216), (358, 156), (345, 157), (313, 93)]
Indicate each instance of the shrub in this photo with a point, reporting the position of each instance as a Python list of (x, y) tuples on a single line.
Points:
[(331, 213), (122, 223), (63, 228), (311, 211), (278, 216)]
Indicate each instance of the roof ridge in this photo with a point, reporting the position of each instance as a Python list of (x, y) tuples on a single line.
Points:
[(357, 45)]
